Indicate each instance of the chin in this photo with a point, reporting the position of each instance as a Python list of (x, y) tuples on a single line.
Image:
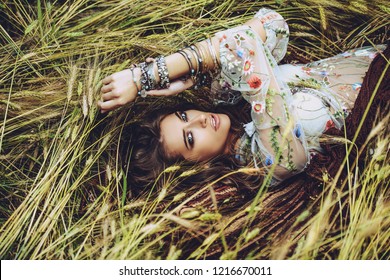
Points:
[(225, 129), (225, 121)]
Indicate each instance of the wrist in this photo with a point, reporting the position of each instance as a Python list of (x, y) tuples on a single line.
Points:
[(136, 78)]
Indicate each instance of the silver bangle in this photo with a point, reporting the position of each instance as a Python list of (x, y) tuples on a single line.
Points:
[(145, 84), (139, 92), (213, 54)]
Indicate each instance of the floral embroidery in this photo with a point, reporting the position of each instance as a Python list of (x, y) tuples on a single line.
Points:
[(229, 56), (223, 38), (268, 160), (268, 18), (238, 38), (341, 113), (304, 83), (250, 34), (344, 88), (298, 131), (269, 100), (248, 66), (272, 107), (240, 52), (275, 143), (258, 107), (324, 73), (306, 69), (232, 62), (329, 125), (254, 81), (357, 86)]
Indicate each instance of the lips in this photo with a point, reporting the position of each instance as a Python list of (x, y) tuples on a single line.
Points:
[(215, 121)]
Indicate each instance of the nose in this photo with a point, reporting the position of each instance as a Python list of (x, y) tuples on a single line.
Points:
[(199, 121)]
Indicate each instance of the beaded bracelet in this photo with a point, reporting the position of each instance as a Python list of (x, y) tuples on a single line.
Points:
[(162, 71), (145, 83), (135, 81)]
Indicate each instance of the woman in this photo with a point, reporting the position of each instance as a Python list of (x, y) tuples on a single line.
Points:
[(291, 106)]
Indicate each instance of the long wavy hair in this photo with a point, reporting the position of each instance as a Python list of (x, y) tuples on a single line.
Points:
[(144, 158), (145, 163)]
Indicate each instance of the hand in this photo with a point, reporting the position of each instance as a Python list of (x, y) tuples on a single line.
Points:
[(118, 89)]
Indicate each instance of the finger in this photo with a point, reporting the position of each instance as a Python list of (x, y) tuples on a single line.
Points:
[(107, 105), (107, 80), (107, 88), (108, 96)]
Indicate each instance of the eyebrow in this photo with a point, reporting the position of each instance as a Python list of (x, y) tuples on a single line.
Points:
[(184, 134)]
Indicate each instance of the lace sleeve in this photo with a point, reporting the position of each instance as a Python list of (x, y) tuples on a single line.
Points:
[(248, 66), (277, 32)]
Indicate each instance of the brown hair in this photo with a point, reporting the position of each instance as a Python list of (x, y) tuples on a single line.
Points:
[(146, 159)]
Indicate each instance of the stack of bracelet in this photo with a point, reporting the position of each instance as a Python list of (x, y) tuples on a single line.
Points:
[(200, 73), (148, 79), (203, 73)]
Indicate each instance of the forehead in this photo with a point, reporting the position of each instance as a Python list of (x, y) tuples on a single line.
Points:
[(172, 135)]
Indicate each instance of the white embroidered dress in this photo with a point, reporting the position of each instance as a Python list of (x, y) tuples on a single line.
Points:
[(292, 105)]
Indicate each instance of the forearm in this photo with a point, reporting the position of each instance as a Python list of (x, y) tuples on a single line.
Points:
[(123, 87), (179, 67), (186, 62)]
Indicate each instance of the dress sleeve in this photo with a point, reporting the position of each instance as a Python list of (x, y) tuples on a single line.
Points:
[(277, 31), (248, 66)]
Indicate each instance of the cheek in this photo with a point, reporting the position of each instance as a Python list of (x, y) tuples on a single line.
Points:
[(208, 143)]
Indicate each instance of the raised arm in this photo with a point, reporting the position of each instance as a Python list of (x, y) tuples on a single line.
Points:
[(123, 87), (249, 65)]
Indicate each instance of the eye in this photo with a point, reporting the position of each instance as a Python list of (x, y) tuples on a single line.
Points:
[(183, 116), (190, 139), (190, 136)]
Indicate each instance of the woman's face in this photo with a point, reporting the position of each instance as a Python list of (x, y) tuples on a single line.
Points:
[(195, 135)]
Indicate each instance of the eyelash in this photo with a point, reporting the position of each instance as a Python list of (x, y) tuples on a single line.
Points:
[(190, 137)]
